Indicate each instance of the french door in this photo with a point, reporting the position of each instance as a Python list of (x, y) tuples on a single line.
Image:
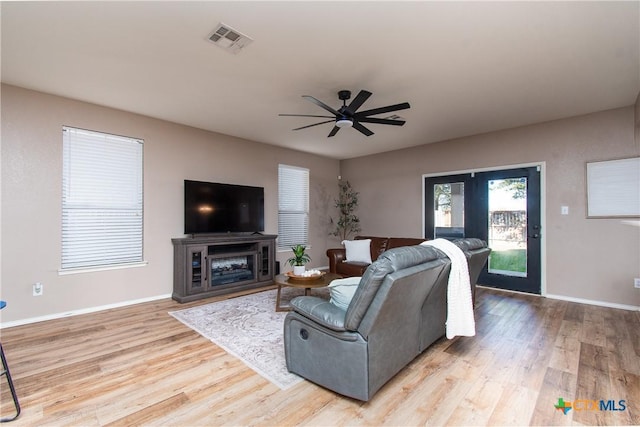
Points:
[(501, 207)]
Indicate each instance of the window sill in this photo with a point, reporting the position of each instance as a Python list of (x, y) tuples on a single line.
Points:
[(283, 250), (68, 271)]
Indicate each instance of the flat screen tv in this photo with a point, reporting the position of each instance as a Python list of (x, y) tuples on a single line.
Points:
[(211, 207)]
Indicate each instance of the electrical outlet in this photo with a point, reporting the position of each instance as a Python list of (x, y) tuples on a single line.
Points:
[(636, 282), (38, 289)]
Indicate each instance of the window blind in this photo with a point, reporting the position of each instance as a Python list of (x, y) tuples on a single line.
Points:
[(293, 206), (102, 199), (613, 188)]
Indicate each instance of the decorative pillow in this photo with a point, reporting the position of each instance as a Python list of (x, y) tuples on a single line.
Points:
[(358, 250), (342, 291)]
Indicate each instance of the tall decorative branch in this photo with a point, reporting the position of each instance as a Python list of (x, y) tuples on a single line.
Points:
[(348, 222)]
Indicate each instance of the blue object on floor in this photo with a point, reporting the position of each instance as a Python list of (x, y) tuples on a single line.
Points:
[(5, 372)]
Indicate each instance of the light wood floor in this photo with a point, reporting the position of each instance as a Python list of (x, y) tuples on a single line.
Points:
[(138, 365)]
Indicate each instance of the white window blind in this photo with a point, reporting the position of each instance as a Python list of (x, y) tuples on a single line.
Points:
[(613, 188), (293, 206), (101, 199)]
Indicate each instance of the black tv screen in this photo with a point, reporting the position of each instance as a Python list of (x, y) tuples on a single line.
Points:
[(211, 207)]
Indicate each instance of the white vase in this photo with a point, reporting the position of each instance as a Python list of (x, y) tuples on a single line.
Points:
[(298, 270)]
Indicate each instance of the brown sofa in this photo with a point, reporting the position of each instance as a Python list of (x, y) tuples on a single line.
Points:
[(475, 250), (337, 257)]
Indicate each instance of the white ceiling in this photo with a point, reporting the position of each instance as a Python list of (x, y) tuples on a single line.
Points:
[(465, 67)]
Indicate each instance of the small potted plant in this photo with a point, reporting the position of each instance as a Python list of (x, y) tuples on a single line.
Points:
[(299, 259)]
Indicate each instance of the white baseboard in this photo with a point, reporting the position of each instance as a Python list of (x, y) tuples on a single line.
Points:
[(593, 302), (81, 311), (159, 297), (571, 299)]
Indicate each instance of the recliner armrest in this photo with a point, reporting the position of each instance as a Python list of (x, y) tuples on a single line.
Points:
[(469, 244), (320, 311)]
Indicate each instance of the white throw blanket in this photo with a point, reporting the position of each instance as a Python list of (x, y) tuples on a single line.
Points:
[(460, 319)]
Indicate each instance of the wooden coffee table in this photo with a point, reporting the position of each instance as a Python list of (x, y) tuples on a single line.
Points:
[(306, 284)]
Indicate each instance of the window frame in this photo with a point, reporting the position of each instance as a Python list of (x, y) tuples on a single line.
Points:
[(292, 204), (102, 204)]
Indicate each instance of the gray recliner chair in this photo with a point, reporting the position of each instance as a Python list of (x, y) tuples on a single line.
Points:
[(356, 351)]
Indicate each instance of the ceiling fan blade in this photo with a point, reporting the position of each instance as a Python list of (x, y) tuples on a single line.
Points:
[(321, 104), (358, 101), (381, 121), (333, 131), (381, 110), (305, 115), (364, 130), (315, 124)]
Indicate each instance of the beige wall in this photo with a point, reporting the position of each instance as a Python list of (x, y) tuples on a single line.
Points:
[(31, 199), (637, 119), (591, 259)]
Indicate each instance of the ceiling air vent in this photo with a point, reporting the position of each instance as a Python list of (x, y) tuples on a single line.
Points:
[(228, 38)]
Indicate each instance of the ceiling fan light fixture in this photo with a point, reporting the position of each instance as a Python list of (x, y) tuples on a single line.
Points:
[(344, 123), (349, 115)]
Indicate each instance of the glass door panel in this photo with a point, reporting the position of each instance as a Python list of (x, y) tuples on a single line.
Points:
[(196, 269), (448, 210), (507, 214)]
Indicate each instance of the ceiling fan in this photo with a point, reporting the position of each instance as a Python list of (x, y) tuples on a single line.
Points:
[(348, 115)]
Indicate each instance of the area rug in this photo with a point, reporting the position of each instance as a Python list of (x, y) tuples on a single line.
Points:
[(249, 328)]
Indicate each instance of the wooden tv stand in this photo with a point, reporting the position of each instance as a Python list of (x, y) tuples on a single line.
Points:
[(206, 266)]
